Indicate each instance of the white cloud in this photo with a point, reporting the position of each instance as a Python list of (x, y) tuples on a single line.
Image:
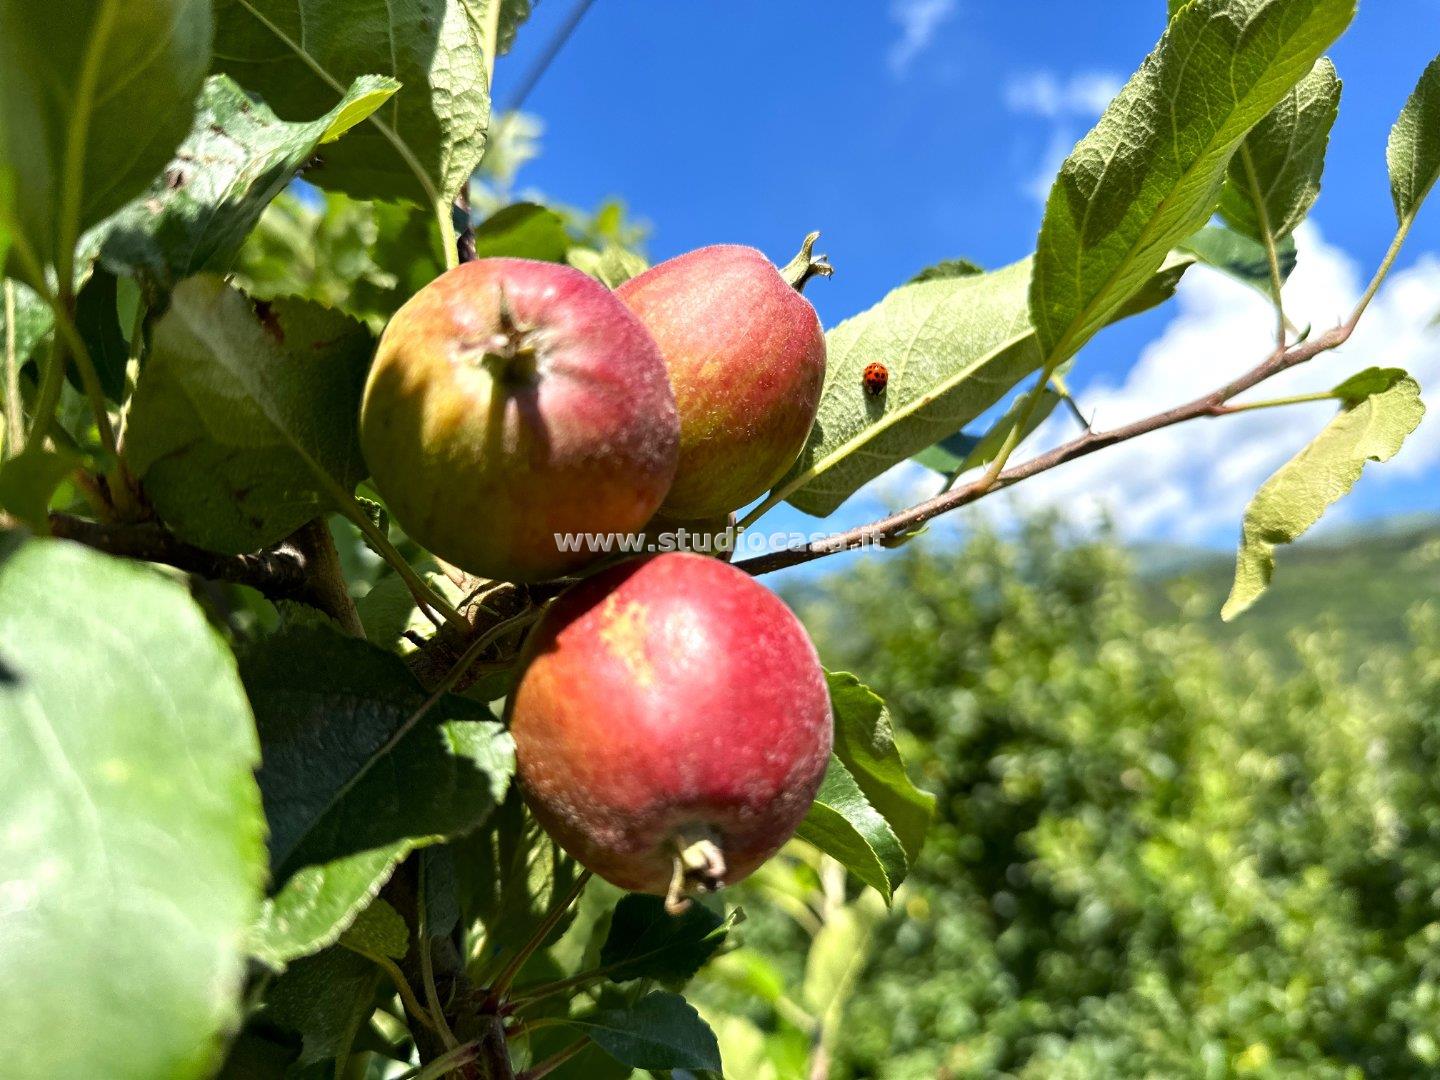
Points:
[(1045, 94), (919, 20), (1190, 483)]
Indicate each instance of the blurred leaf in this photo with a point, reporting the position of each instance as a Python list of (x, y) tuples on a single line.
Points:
[(1278, 166), (324, 999), (378, 931), (1413, 153), (947, 455), (523, 231), (244, 423), (358, 773), (133, 855), (844, 825), (513, 14), (1241, 258), (612, 265), (646, 942), (96, 96), (949, 268), (954, 345), (29, 481), (1149, 174), (865, 745), (837, 956), (237, 158), (1372, 428), (660, 1031), (428, 139), (97, 317)]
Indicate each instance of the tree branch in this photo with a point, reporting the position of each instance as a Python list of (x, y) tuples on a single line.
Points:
[(284, 572), (906, 521)]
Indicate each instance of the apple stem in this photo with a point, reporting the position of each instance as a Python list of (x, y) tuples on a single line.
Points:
[(805, 266), (699, 867)]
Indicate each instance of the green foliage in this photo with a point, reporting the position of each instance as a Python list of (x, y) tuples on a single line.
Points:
[(79, 77), (660, 1031), (1380, 408), (954, 344), (299, 54), (1154, 857), (1240, 257), (243, 426), (1149, 175), (194, 218), (361, 768), (647, 942), (1413, 152), (1274, 177), (842, 823), (133, 854)]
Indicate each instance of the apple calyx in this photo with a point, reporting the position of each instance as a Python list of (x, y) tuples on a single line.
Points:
[(510, 354), (805, 266), (699, 867)]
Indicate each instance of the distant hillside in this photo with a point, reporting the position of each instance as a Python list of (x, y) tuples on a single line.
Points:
[(1365, 578)]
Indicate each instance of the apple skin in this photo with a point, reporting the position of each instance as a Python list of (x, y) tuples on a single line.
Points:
[(488, 430), (746, 355), (666, 698)]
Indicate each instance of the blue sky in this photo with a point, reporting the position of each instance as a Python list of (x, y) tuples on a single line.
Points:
[(920, 130)]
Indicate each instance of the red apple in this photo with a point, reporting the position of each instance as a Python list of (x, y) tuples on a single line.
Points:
[(747, 360), (512, 400), (672, 724)]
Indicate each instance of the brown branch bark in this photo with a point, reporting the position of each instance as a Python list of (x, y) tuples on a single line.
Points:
[(891, 528), (325, 576)]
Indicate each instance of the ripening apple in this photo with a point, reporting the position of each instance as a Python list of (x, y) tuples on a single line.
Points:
[(746, 355), (512, 400), (672, 724)]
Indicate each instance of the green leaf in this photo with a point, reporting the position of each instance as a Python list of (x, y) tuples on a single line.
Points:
[(324, 999), (1278, 166), (954, 344), (244, 423), (358, 773), (97, 317), (1240, 257), (513, 14), (523, 231), (647, 942), (843, 824), (1370, 428), (947, 268), (1362, 384), (96, 96), (661, 1031), (29, 481), (836, 958), (378, 931), (237, 158), (133, 855), (1413, 153), (1149, 174), (612, 265), (865, 745), (300, 54), (948, 454), (510, 876)]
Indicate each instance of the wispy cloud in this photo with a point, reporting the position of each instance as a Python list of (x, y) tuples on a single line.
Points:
[(919, 20), (1045, 94)]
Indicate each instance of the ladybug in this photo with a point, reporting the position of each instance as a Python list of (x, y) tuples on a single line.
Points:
[(875, 378)]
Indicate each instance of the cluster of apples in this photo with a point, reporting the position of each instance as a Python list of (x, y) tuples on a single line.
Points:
[(672, 722)]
